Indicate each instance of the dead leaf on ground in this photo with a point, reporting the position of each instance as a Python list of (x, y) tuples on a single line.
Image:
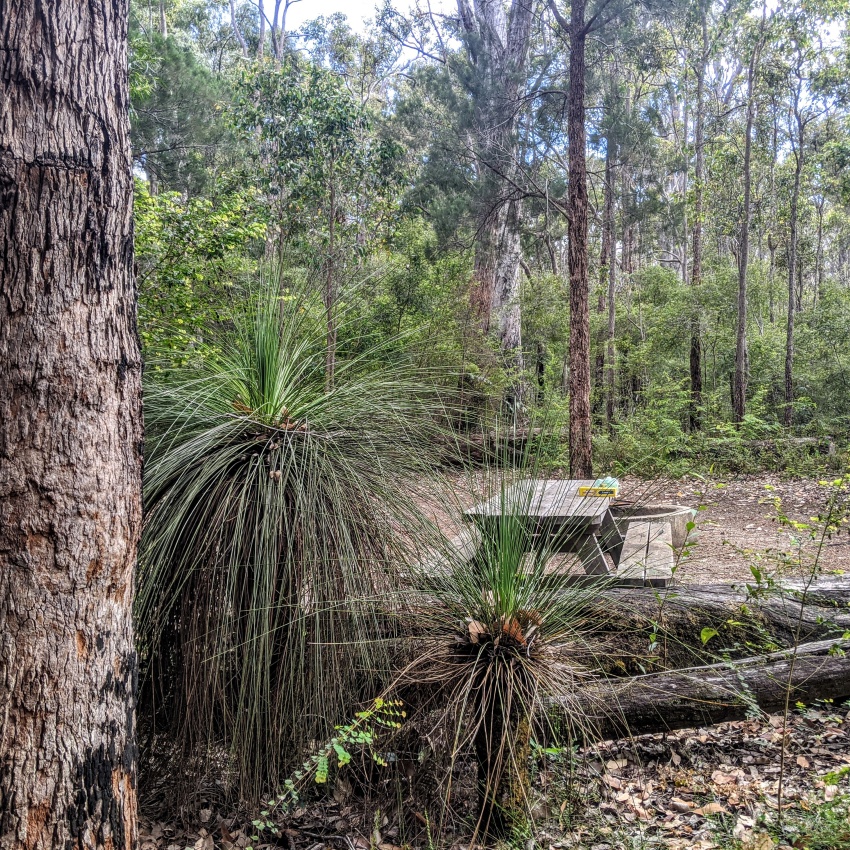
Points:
[(709, 809)]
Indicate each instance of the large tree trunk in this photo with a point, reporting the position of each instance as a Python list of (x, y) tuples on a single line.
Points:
[(70, 428), (581, 458), (739, 386), (611, 352), (497, 46), (718, 693), (696, 258)]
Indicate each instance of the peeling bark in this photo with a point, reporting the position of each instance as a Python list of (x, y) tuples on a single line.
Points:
[(70, 428), (497, 45)]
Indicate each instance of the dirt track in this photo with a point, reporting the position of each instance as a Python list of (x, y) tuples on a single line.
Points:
[(738, 525)]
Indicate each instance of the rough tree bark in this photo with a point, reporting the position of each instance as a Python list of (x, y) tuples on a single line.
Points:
[(70, 428), (696, 258), (611, 353), (581, 458), (497, 46)]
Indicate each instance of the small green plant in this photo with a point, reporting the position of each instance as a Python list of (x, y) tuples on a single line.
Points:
[(363, 733)]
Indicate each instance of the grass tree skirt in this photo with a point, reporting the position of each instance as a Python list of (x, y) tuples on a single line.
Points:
[(279, 512)]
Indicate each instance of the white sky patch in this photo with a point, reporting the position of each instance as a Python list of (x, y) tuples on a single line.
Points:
[(357, 11)]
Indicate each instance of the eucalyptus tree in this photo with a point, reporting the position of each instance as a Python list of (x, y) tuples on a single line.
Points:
[(323, 168), (496, 40), (739, 384), (576, 29), (695, 354), (70, 429), (796, 63)]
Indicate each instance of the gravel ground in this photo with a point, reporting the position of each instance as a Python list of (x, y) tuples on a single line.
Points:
[(738, 525)]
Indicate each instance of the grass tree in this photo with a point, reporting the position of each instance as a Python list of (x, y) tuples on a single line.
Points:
[(278, 512), (503, 635)]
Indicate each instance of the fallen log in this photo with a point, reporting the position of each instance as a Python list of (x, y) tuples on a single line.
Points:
[(789, 613), (785, 607), (640, 630), (717, 693)]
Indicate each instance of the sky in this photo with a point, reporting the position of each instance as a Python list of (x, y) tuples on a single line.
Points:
[(306, 10), (355, 10)]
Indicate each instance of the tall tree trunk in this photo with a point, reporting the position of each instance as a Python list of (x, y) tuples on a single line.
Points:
[(771, 244), (739, 387), (611, 269), (792, 273), (581, 459), (236, 31), (605, 261), (497, 46), (163, 23), (330, 293), (277, 35), (819, 206), (70, 429), (261, 41), (694, 417)]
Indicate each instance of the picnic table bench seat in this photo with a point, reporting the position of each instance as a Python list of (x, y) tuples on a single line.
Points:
[(647, 556)]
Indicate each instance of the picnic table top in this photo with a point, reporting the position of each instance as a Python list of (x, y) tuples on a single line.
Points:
[(551, 499)]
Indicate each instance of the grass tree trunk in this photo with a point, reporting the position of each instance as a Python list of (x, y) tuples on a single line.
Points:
[(739, 386), (70, 429), (502, 746), (581, 460)]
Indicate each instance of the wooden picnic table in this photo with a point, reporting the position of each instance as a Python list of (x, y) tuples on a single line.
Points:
[(556, 515)]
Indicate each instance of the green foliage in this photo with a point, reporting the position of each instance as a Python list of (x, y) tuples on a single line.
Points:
[(325, 167), (177, 118), (189, 255), (368, 729)]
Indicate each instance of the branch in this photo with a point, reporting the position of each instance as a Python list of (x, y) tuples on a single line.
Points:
[(562, 21)]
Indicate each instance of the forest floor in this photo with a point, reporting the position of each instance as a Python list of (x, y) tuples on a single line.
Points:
[(738, 524), (713, 788)]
